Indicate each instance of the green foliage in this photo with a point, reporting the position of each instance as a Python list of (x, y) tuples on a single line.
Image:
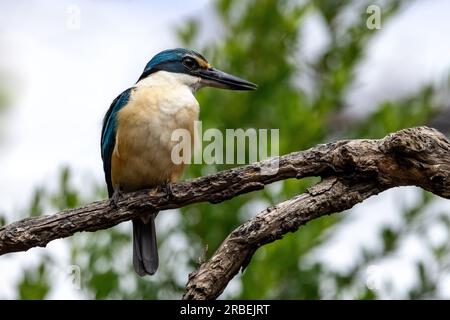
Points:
[(261, 41), (416, 221), (35, 283), (268, 53), (391, 116)]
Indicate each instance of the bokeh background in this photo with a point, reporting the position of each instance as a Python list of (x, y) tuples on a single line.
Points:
[(323, 75)]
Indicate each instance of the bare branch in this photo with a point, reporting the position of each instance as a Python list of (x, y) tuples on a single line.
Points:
[(362, 168), (353, 170), (329, 196)]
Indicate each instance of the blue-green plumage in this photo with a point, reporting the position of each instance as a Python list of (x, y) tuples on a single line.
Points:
[(145, 251), (109, 130), (169, 60)]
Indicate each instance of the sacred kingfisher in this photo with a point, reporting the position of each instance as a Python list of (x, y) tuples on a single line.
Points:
[(136, 142)]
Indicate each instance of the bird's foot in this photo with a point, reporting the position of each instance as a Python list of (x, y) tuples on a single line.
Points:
[(116, 197), (166, 187)]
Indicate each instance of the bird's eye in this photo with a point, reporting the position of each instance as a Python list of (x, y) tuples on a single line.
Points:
[(190, 63)]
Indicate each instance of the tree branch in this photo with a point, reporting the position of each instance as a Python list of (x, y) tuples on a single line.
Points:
[(354, 170), (329, 196), (362, 168)]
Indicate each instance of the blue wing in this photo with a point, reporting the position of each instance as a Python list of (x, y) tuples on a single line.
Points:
[(109, 129)]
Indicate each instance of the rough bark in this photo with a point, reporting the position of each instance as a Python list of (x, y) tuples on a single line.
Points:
[(352, 170), (329, 196), (359, 169)]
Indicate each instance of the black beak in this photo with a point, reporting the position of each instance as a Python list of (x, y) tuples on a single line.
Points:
[(215, 78)]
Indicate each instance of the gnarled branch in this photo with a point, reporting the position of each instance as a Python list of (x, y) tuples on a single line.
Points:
[(361, 168), (353, 171), (329, 196)]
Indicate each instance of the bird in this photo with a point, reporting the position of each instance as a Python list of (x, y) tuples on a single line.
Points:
[(136, 133)]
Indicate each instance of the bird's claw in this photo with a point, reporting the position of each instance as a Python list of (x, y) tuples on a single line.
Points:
[(116, 197), (167, 189)]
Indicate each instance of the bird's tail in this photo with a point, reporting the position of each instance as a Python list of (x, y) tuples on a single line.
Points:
[(145, 249)]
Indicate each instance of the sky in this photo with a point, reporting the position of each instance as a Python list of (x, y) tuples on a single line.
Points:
[(56, 65), (65, 61)]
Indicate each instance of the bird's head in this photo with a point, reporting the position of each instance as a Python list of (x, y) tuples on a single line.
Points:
[(196, 68)]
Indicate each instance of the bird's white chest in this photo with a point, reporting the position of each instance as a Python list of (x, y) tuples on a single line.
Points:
[(144, 136), (160, 111)]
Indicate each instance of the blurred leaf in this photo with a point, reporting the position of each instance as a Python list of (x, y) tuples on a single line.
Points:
[(34, 284), (390, 238)]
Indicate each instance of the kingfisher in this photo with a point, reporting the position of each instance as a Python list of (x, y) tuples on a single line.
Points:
[(136, 144)]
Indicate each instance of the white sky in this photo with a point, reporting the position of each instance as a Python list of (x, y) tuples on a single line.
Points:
[(64, 80)]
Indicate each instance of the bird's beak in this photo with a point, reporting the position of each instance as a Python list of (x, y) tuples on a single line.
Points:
[(215, 78)]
